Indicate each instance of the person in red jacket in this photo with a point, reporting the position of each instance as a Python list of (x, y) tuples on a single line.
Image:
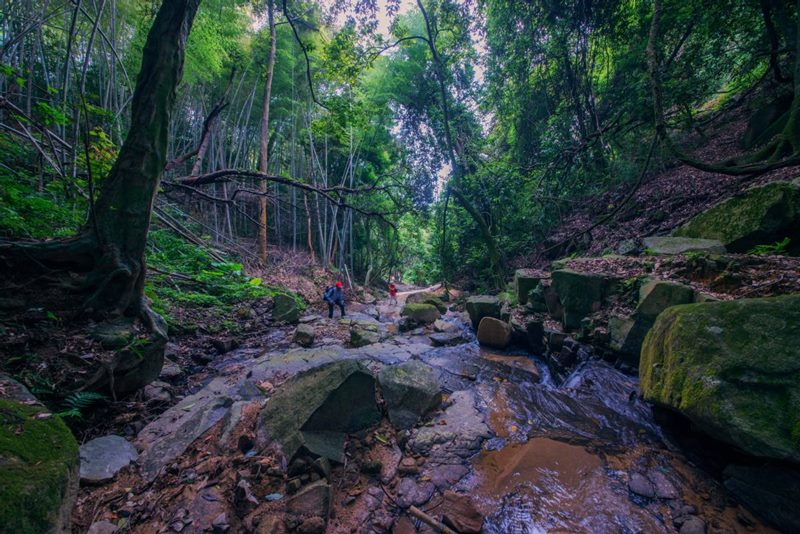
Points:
[(392, 293)]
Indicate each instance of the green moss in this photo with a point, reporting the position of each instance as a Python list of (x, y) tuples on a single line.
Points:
[(38, 461), (733, 368)]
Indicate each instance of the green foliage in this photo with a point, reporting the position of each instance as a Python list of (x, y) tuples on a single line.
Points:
[(76, 404), (776, 249)]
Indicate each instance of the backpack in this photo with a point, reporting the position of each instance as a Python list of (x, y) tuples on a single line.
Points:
[(328, 293)]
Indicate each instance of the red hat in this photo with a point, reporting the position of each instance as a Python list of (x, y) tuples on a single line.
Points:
[(339, 284)]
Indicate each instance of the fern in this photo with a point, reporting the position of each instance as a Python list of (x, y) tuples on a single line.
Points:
[(777, 248), (75, 404)]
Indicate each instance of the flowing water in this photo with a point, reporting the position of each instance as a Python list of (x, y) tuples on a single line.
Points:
[(562, 455)]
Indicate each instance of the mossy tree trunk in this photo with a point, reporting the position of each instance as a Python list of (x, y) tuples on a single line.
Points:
[(108, 254)]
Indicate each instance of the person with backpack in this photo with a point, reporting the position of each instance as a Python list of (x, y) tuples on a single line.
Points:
[(334, 295)]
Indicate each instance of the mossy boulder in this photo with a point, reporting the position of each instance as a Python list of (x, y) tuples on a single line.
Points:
[(287, 307), (757, 216), (427, 298), (732, 368), (580, 294), (363, 333), (316, 408), (481, 306), (525, 280), (304, 335), (421, 313), (38, 466)]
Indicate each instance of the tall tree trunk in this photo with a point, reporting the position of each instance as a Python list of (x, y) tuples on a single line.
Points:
[(264, 162)]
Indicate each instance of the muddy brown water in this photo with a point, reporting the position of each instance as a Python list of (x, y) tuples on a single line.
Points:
[(562, 454)]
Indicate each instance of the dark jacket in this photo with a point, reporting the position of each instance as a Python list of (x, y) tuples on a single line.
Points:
[(334, 295)]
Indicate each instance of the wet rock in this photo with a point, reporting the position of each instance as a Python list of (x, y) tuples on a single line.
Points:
[(458, 431), (427, 298), (446, 475), (732, 369), (447, 339), (664, 488), (770, 490), (527, 332), (313, 500), (757, 216), (102, 527), (38, 464), (316, 408), (494, 333), (420, 314), (413, 493), (440, 325), (481, 306), (656, 296), (304, 335), (639, 485), (157, 392), (629, 247), (363, 333), (286, 308), (410, 391), (460, 513), (682, 245), (580, 294), (102, 458), (693, 525), (525, 280), (408, 466)]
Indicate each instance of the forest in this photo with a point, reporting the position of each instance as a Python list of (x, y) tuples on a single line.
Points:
[(524, 266)]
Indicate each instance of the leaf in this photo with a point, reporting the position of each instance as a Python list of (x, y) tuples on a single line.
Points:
[(255, 282)]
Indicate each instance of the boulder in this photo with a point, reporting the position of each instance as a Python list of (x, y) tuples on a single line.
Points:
[(494, 333), (363, 333), (316, 408), (682, 245), (410, 391), (461, 514), (286, 308), (655, 296), (427, 298), (733, 369), (580, 294), (772, 491), (481, 306), (304, 335), (38, 465), (421, 313), (757, 216), (447, 339), (525, 280), (102, 458), (313, 500), (440, 325), (528, 332)]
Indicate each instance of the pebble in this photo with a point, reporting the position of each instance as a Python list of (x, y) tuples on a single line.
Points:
[(639, 485)]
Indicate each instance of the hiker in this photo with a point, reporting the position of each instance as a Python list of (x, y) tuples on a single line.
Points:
[(334, 295), (392, 293)]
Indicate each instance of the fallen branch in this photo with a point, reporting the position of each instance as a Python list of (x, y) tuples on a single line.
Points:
[(431, 522)]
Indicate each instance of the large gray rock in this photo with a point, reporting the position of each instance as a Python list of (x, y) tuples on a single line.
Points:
[(682, 245), (315, 409), (494, 333), (102, 458), (425, 297), (458, 432), (481, 306), (447, 339), (757, 216), (581, 294), (410, 391), (363, 333)]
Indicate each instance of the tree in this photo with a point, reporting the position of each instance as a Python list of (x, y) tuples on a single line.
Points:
[(105, 262), (264, 155)]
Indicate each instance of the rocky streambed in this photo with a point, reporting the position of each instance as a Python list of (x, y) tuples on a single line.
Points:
[(459, 436)]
